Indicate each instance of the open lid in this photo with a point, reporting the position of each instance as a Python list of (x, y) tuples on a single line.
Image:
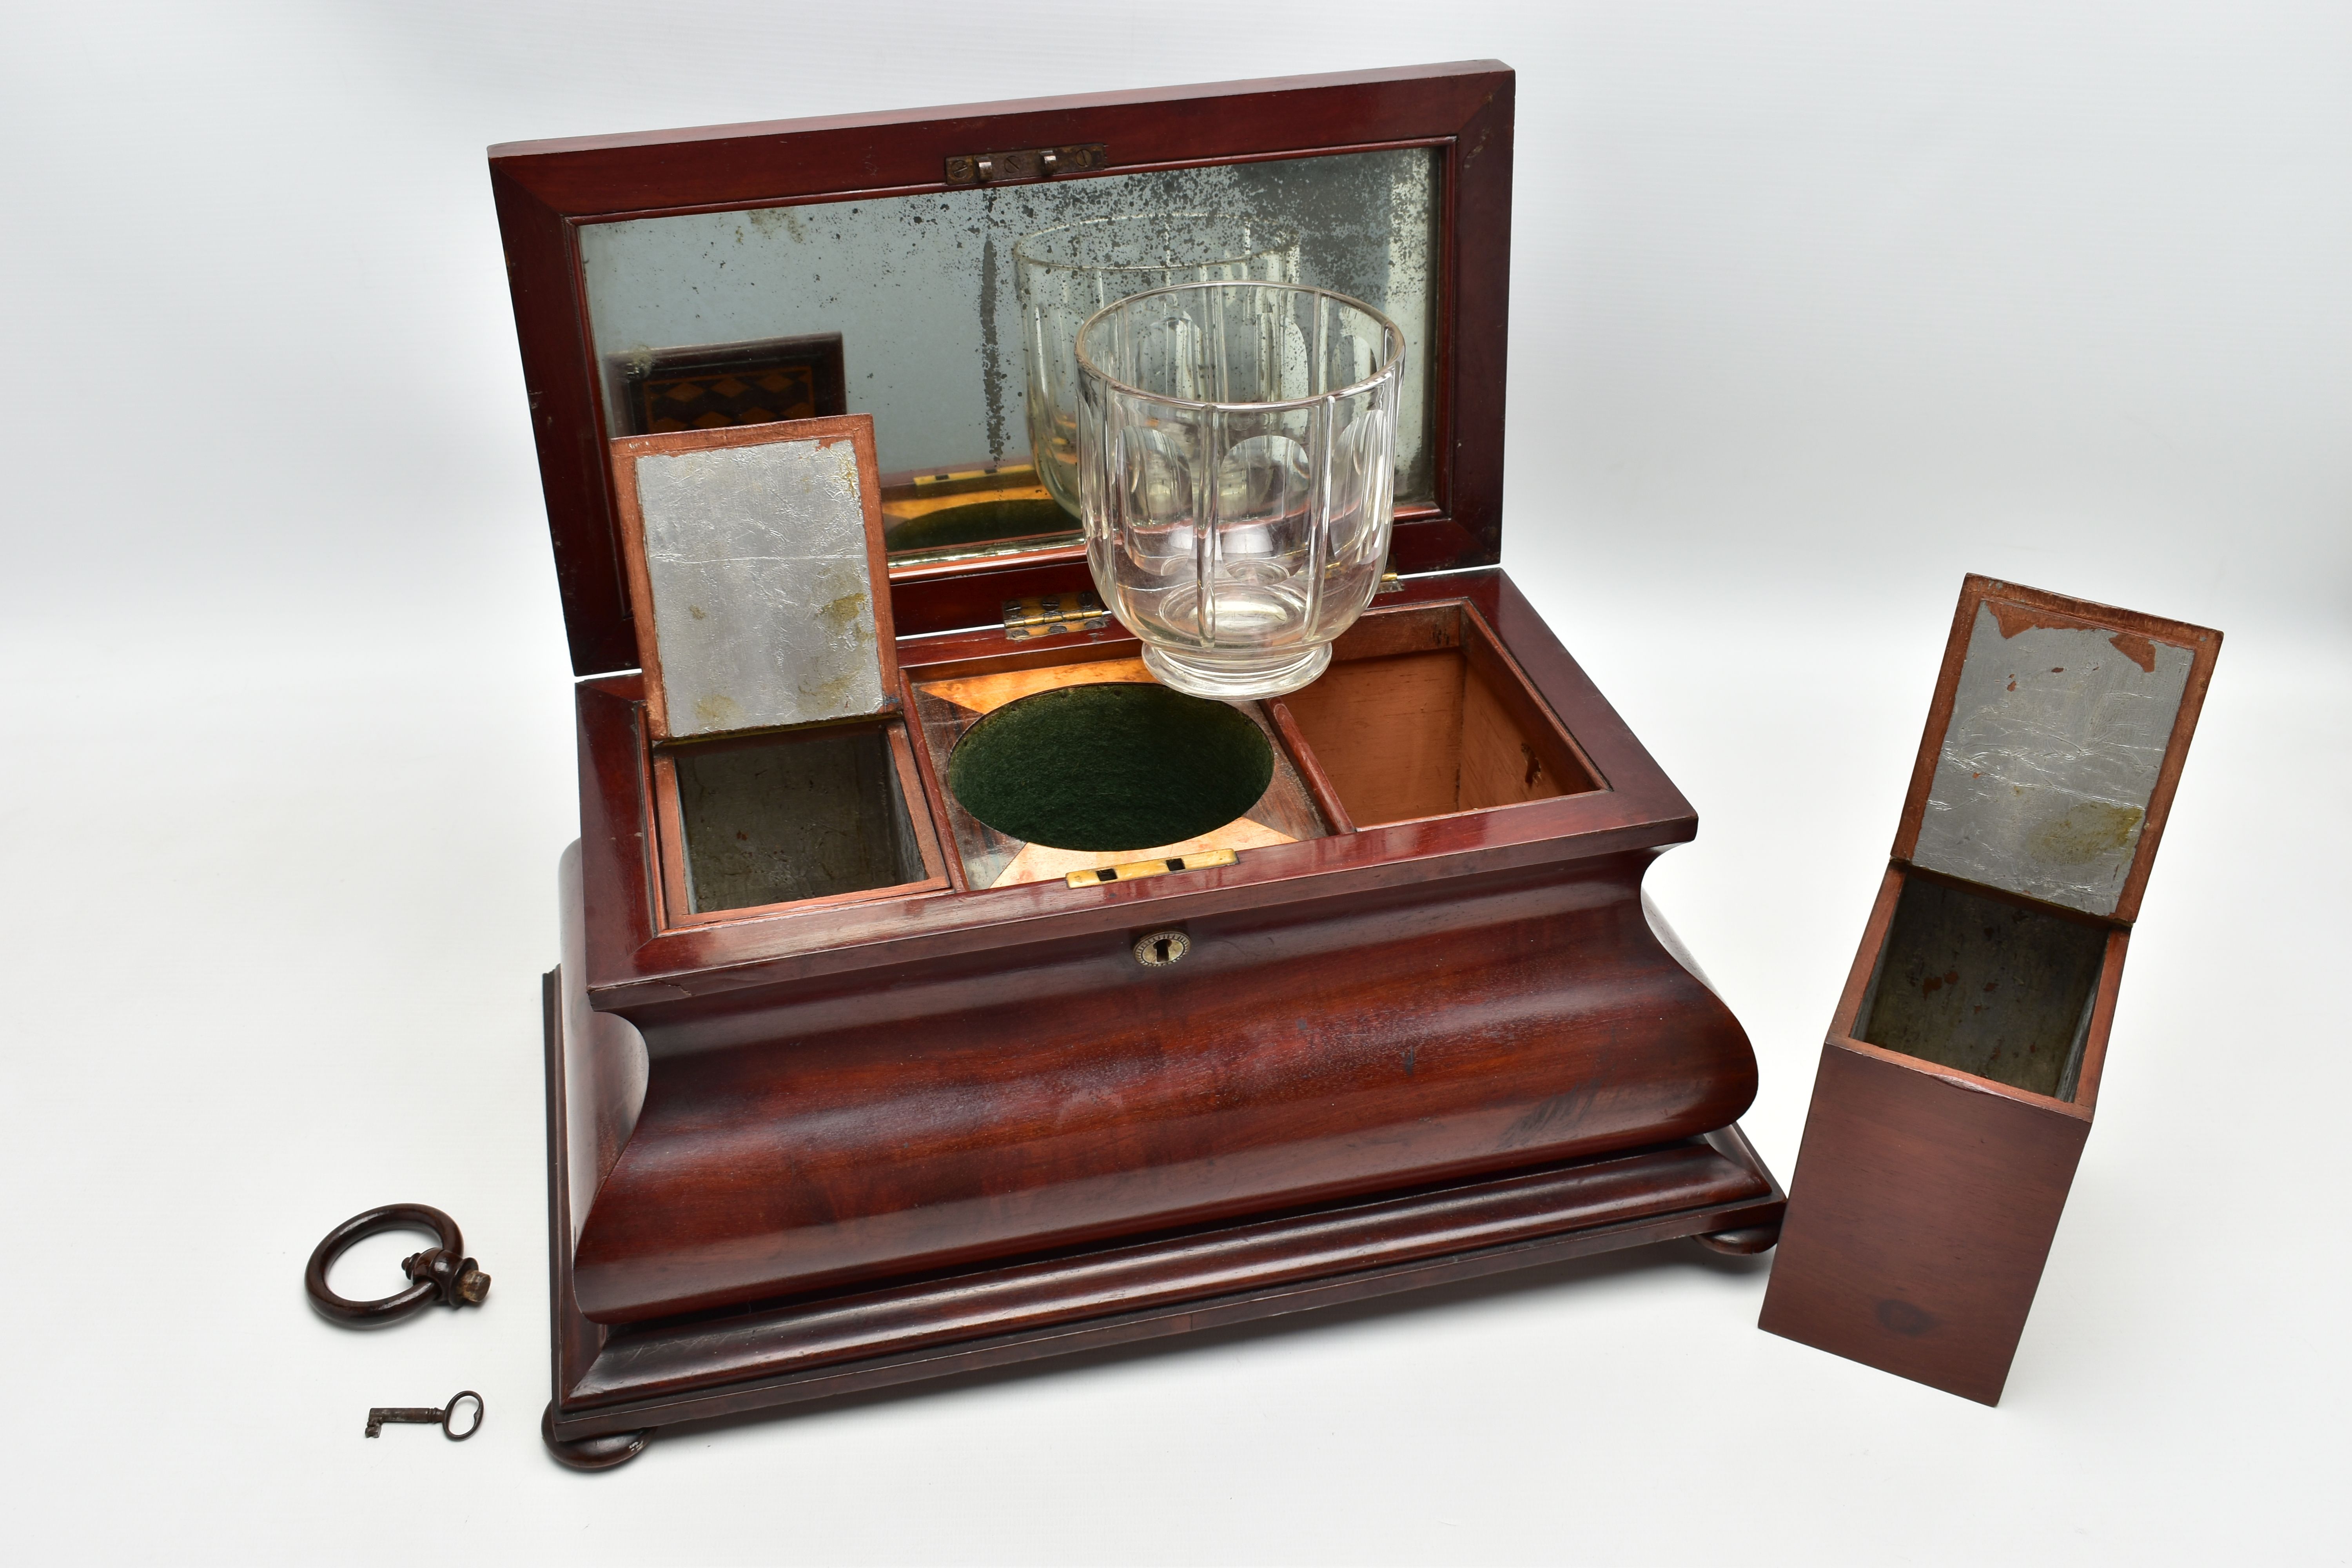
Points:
[(712, 278), (2053, 746), (753, 556)]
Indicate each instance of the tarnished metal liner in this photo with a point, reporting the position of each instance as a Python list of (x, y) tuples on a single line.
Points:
[(2057, 739), (762, 590)]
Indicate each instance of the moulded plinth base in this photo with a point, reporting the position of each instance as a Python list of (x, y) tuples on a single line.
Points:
[(622, 1383)]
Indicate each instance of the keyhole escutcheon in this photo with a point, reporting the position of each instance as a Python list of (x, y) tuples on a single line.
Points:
[(1162, 947)]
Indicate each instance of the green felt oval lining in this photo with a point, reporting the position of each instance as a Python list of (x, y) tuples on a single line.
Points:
[(1119, 765)]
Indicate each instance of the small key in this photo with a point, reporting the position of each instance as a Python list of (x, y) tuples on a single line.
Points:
[(382, 1413)]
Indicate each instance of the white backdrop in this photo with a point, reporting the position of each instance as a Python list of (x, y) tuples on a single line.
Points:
[(1816, 308)]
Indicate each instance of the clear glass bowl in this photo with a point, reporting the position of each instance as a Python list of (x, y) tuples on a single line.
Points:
[(1236, 457), (1067, 273)]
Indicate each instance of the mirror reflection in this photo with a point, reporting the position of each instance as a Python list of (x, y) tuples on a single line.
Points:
[(930, 313)]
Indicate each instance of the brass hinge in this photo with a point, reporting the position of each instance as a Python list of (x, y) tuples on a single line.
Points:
[(1053, 615), (1035, 163)]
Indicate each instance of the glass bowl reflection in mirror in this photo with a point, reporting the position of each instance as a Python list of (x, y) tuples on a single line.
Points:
[(920, 294), (1067, 273)]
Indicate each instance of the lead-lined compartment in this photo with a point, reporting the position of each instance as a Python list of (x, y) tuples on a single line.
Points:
[(806, 817), (1996, 987)]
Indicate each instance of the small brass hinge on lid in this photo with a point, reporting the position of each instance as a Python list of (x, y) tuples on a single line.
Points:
[(1053, 615), (1035, 164)]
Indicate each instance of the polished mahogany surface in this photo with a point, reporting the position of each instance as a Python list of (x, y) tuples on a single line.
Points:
[(928, 1080), (1924, 1211), (631, 960), (1049, 1094), (1925, 1197), (628, 1380), (849, 1146), (801, 1150)]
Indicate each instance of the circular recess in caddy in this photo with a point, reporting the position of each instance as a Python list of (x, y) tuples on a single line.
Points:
[(1120, 765)]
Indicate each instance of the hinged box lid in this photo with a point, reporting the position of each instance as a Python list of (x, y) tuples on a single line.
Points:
[(754, 559), (2053, 746), (712, 278)]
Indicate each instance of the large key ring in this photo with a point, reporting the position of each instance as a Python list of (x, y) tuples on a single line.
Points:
[(442, 1274)]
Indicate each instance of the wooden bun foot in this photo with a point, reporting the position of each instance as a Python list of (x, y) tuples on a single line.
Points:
[(600, 1453), (1742, 1243)]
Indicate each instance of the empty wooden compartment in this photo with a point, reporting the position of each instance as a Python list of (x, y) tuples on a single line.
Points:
[(777, 819), (1423, 715), (1961, 1071)]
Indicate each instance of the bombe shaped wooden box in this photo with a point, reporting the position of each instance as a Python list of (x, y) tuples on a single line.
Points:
[(936, 991)]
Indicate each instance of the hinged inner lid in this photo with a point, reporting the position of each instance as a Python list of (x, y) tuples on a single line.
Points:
[(754, 557), (2053, 746)]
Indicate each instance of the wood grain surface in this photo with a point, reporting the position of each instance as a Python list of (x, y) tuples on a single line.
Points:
[(1922, 1210), (651, 1375), (894, 1137), (1051, 1094), (1935, 1161)]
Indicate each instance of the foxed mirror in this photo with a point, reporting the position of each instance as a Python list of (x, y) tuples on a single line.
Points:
[(908, 307)]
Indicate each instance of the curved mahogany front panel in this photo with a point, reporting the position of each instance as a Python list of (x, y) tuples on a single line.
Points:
[(1038, 1097)]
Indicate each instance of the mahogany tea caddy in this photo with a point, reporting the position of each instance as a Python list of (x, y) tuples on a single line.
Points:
[(963, 1101), (1961, 1071)]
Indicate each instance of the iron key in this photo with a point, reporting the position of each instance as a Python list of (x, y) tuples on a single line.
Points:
[(382, 1413)]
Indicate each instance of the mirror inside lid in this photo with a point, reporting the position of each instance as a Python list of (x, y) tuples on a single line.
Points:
[(755, 569), (949, 315), (2053, 746), (932, 267)]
